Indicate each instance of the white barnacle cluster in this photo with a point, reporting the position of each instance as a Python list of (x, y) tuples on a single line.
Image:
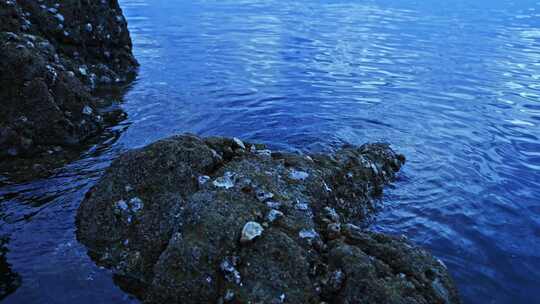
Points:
[(226, 181), (128, 209)]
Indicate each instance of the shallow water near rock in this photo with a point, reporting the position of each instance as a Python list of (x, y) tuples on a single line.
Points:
[(454, 86)]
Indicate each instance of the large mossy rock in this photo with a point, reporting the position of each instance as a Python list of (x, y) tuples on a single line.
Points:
[(216, 220), (53, 54)]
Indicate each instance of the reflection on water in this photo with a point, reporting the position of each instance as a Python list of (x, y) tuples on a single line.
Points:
[(454, 85)]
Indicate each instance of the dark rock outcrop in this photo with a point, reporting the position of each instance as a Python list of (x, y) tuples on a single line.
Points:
[(9, 280), (53, 54), (216, 220)]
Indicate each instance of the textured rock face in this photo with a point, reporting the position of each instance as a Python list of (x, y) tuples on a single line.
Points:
[(169, 219), (53, 55)]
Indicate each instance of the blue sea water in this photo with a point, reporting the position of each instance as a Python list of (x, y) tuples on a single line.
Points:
[(454, 85)]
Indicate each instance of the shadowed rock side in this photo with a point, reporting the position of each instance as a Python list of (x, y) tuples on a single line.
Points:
[(216, 220), (54, 53), (9, 280)]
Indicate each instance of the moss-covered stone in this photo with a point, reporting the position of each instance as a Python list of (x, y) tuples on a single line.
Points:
[(50, 64), (183, 243)]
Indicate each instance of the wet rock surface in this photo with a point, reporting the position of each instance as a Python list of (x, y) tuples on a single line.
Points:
[(54, 54), (210, 220)]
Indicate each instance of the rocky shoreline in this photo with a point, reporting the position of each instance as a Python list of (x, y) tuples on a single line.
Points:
[(54, 54), (190, 219), (217, 220)]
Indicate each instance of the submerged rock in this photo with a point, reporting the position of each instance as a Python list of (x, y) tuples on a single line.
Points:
[(9, 280), (193, 242)]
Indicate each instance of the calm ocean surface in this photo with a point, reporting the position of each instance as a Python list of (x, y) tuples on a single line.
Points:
[(454, 85)]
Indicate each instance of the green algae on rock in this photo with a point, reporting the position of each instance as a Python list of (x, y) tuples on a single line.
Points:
[(184, 244)]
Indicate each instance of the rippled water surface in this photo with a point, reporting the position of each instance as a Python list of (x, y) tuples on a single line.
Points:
[(454, 85)]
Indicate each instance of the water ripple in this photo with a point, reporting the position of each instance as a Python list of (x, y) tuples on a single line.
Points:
[(455, 85)]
